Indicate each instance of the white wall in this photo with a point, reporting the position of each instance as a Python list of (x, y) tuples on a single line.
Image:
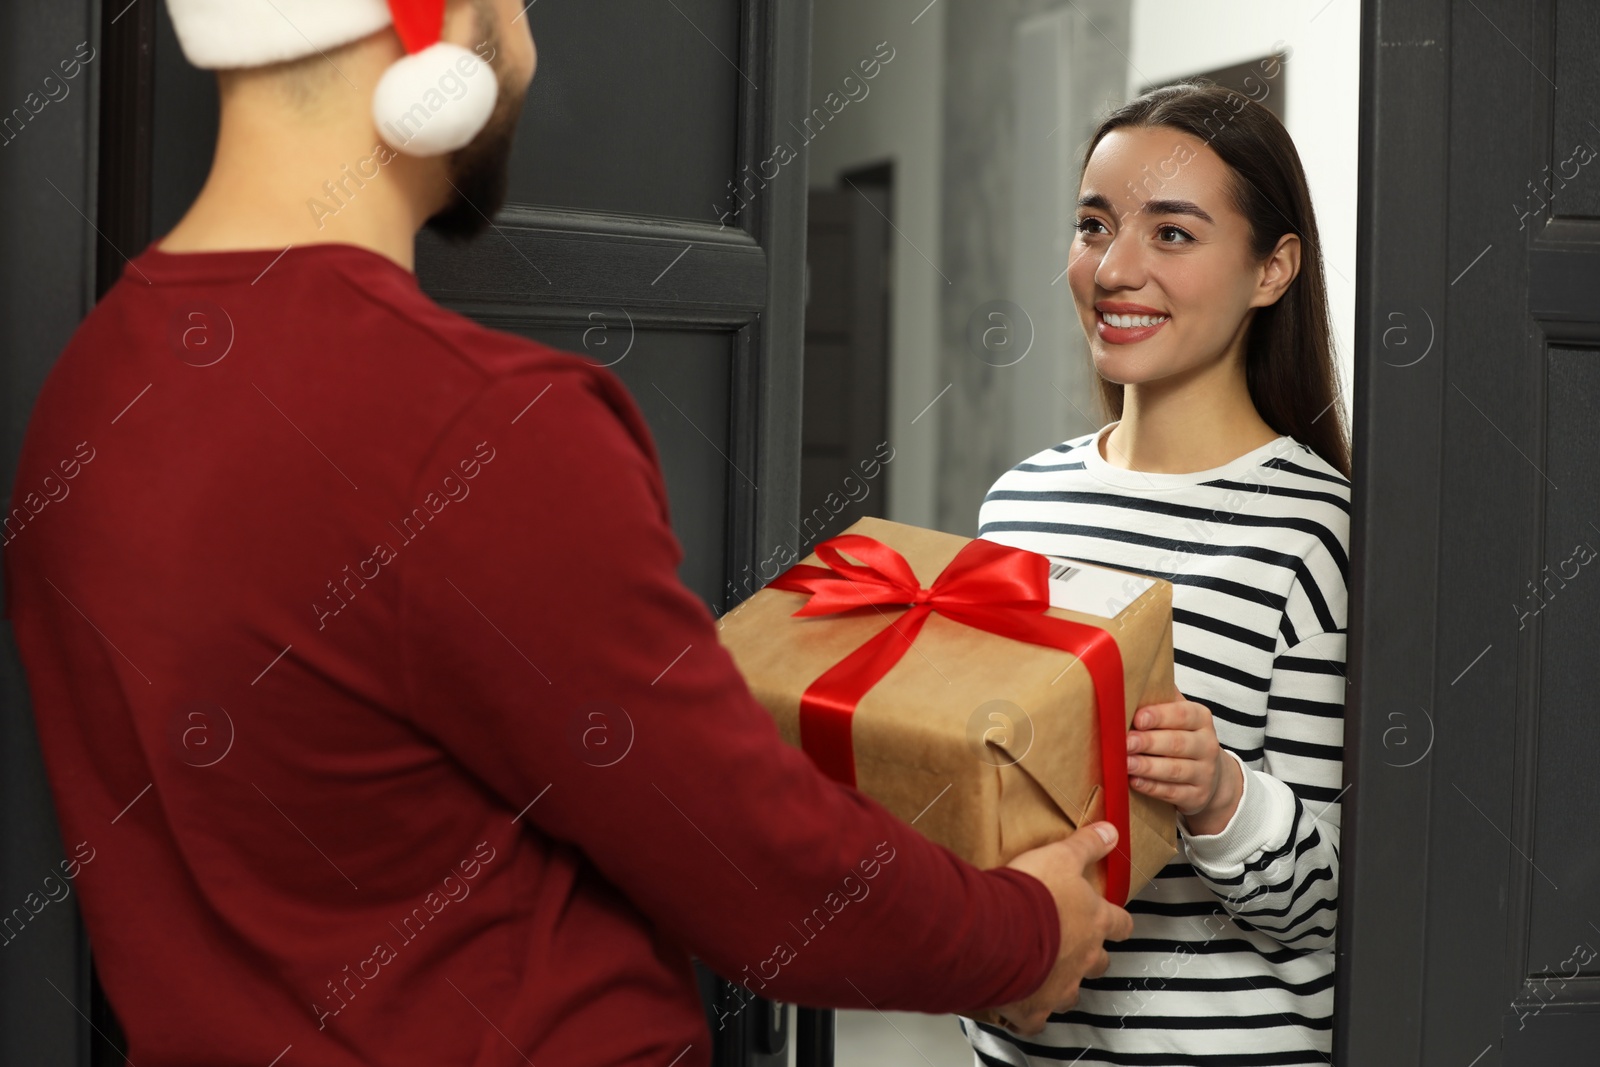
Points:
[(900, 120), (1174, 38)]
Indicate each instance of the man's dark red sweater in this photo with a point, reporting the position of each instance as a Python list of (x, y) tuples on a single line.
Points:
[(362, 669)]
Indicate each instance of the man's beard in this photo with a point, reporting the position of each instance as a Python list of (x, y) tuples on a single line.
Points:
[(479, 172)]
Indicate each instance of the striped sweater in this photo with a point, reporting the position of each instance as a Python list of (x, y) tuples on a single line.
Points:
[(1231, 958)]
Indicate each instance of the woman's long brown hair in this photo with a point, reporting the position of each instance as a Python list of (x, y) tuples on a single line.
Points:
[(1289, 362)]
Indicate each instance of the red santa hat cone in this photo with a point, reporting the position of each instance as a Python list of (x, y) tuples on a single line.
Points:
[(433, 100)]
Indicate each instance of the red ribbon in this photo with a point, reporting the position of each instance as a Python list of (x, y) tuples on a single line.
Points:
[(988, 586)]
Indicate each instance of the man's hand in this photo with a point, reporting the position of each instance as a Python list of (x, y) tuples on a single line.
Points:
[(1173, 755), (1087, 919)]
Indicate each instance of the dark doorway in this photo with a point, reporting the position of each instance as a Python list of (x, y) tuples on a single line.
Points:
[(845, 410)]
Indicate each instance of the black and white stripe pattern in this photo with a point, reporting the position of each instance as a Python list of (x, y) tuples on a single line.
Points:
[(1231, 958)]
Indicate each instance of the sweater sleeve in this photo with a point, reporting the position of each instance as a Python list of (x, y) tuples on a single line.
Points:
[(1275, 865), (550, 649)]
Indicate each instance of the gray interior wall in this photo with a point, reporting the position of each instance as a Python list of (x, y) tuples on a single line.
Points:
[(996, 415), (46, 286)]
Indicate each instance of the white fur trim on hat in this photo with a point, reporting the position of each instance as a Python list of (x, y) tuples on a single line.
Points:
[(224, 34), (434, 101)]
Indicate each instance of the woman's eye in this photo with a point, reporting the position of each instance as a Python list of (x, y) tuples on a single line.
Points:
[(1181, 238), (1089, 225)]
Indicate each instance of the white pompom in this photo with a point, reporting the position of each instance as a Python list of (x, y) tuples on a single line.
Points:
[(434, 101)]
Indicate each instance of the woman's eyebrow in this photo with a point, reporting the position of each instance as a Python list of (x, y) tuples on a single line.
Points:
[(1149, 207), (1176, 207)]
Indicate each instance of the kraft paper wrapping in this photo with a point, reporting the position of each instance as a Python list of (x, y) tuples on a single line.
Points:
[(926, 743)]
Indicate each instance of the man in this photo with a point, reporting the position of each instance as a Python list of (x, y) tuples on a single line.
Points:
[(358, 655)]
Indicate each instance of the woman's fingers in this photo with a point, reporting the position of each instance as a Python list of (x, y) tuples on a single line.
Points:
[(1187, 797), (1172, 753), (1179, 796), (1163, 769), (1179, 715), (1184, 744)]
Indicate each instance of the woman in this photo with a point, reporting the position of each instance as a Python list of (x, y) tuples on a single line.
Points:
[(1197, 276)]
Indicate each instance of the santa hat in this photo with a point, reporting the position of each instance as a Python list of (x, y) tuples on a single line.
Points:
[(433, 100)]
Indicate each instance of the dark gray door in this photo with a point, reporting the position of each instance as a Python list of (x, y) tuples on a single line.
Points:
[(648, 228), (1470, 923)]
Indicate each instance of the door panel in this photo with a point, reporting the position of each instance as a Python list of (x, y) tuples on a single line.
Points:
[(1571, 31), (1565, 602), (681, 382), (643, 121)]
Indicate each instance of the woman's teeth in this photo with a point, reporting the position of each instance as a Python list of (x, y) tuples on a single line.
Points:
[(1129, 321)]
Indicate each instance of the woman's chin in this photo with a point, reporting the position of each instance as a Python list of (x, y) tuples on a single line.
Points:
[(1111, 367), (1123, 365)]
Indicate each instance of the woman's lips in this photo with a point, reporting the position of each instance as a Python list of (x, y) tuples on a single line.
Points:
[(1124, 335)]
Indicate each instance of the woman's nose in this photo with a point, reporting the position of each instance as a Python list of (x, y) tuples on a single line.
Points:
[(1121, 266)]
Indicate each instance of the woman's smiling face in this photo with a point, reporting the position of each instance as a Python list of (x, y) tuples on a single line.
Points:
[(1161, 268)]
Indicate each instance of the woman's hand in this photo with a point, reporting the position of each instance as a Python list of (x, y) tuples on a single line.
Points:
[(1174, 755)]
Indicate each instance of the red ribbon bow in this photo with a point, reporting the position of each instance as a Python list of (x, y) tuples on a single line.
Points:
[(988, 586)]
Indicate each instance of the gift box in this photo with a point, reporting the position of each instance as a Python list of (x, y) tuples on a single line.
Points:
[(978, 691)]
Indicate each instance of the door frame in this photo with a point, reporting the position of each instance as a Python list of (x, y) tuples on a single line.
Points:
[(1402, 267), (47, 285)]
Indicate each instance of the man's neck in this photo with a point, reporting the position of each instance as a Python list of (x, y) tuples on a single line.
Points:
[(276, 183)]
